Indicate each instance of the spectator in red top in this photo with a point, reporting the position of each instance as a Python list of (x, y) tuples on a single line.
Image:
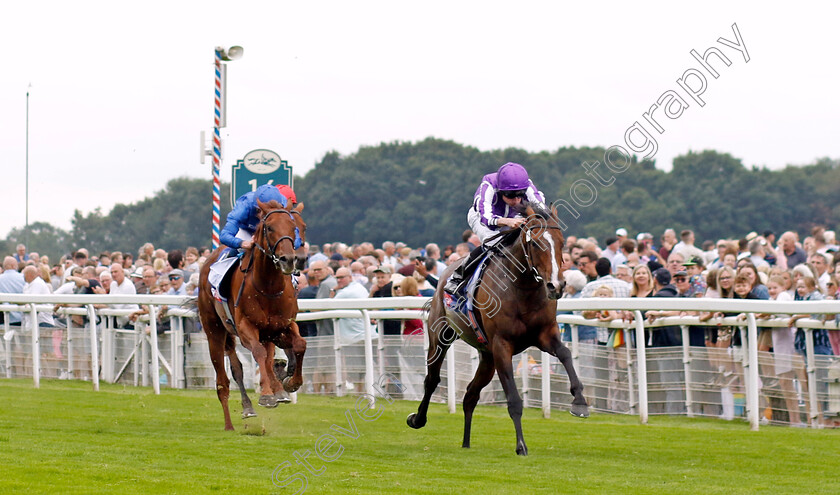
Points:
[(408, 287)]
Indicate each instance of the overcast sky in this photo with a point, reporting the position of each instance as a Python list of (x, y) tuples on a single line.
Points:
[(120, 93)]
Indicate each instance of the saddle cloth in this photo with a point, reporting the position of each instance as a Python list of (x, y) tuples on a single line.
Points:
[(227, 260), (462, 302)]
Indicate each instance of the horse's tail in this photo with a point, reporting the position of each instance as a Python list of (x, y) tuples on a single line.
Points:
[(426, 309), (190, 304)]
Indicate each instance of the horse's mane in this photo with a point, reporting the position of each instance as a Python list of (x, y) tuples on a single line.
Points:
[(548, 217), (273, 204), (508, 237), (541, 211)]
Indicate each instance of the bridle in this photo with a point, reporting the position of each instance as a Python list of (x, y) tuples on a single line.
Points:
[(297, 242), (526, 249)]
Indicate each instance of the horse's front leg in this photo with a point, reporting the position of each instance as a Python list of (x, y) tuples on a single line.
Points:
[(249, 336), (553, 345), (502, 355), (297, 348), (275, 382)]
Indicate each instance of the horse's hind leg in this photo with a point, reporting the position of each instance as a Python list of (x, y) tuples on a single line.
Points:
[(280, 395), (502, 355), (483, 375), (238, 376), (556, 348), (291, 364), (216, 342), (441, 336), (270, 350)]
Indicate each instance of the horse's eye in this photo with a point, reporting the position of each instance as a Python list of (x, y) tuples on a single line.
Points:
[(270, 228)]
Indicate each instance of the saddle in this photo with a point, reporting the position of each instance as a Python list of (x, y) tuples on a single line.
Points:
[(463, 303), (221, 273)]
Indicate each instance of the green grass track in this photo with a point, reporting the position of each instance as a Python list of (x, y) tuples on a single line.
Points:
[(65, 438)]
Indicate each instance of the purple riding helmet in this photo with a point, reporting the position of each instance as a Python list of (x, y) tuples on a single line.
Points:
[(512, 177)]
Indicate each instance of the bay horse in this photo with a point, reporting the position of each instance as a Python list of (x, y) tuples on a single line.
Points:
[(516, 304), (263, 306)]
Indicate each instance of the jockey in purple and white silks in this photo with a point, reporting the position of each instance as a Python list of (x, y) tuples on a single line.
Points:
[(493, 210), (498, 193)]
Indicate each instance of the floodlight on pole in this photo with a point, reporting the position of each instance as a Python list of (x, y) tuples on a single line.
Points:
[(219, 121)]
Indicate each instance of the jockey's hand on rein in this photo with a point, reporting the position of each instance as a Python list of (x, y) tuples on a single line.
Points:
[(511, 222), (247, 244)]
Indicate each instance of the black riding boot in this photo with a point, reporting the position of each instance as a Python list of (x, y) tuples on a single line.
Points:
[(463, 272)]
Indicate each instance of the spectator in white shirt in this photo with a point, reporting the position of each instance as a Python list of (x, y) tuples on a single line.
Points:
[(122, 285), (612, 248), (11, 282), (34, 284), (686, 245), (390, 257), (820, 264)]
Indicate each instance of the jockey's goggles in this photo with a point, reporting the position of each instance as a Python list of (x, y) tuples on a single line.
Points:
[(514, 194)]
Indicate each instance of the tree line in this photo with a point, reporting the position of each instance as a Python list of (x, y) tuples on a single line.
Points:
[(420, 192)]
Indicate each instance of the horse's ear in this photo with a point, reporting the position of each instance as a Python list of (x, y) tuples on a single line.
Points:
[(529, 211), (299, 208), (261, 207)]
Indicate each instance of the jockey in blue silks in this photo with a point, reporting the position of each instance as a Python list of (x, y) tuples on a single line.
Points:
[(494, 210), (242, 220)]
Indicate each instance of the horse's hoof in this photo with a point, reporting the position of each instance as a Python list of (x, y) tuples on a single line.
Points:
[(282, 397), (248, 413), (521, 449), (280, 370), (580, 410), (413, 422), (288, 387), (267, 401)]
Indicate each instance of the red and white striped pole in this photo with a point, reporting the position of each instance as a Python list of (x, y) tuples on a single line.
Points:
[(217, 149), (219, 121)]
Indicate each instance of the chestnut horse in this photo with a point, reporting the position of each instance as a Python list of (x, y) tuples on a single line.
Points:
[(516, 304), (263, 305)]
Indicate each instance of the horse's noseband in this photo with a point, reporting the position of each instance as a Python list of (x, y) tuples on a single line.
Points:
[(532, 269), (526, 248)]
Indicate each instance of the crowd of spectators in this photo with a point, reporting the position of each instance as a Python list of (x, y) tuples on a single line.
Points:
[(153, 271), (692, 271), (753, 267)]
